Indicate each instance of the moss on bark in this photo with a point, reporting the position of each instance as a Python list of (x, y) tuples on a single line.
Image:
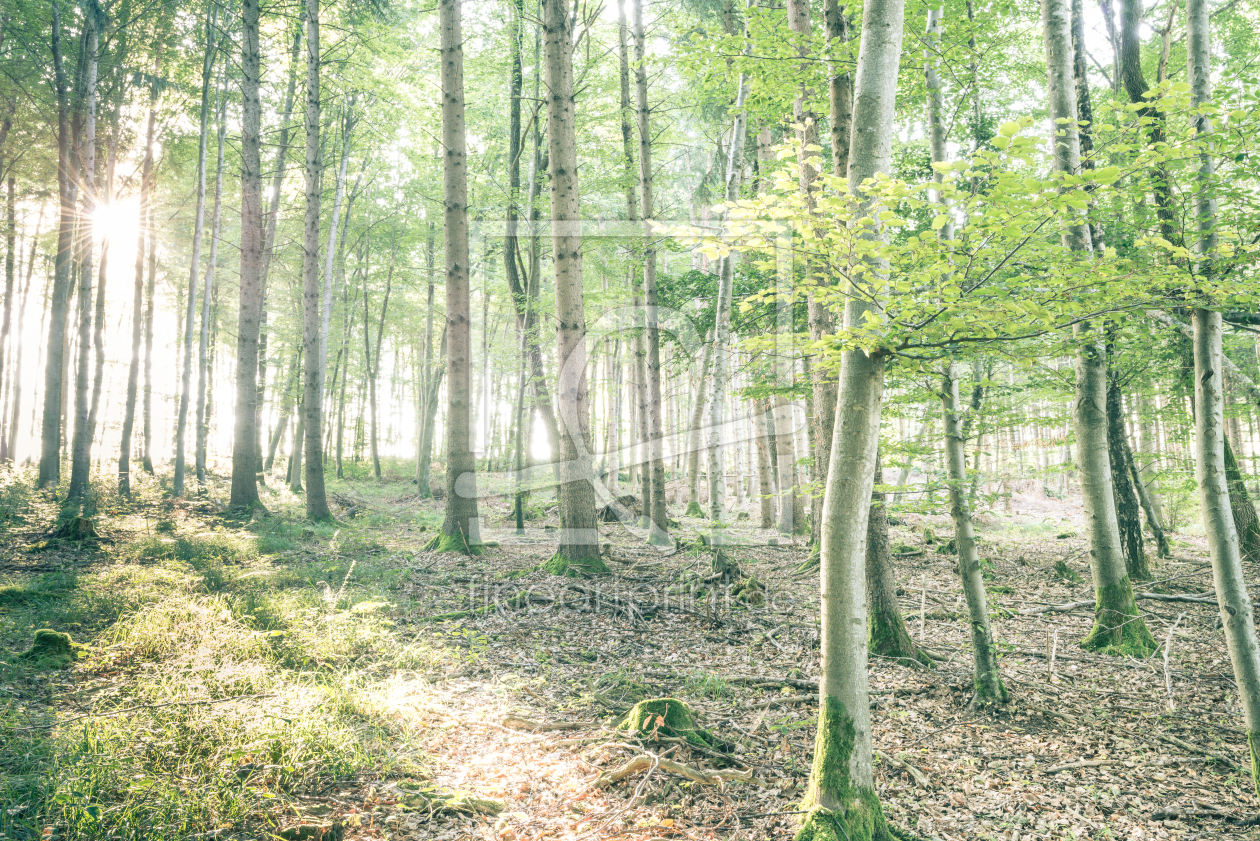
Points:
[(694, 510), (839, 809), (1118, 627), (1253, 742)]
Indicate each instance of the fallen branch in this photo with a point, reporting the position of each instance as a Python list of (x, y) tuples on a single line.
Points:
[(1184, 745), (643, 762), (923, 780), (1084, 763), (1192, 598)]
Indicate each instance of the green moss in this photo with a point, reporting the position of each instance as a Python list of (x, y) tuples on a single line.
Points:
[(857, 815), (575, 568), (666, 717), (1118, 627), (1253, 742), (694, 510), (453, 543), (50, 649), (749, 591), (990, 695), (888, 637)]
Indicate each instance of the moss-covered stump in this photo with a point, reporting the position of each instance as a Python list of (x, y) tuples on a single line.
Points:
[(1118, 627), (575, 567), (453, 543), (666, 717), (77, 528), (839, 808), (51, 649), (749, 591)]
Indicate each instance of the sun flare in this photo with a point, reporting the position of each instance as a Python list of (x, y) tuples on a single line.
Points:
[(117, 222)]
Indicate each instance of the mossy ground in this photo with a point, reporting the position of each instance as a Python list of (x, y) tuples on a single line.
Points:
[(577, 568), (453, 543)]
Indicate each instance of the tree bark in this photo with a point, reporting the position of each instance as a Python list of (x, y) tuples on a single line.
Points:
[(578, 551), (194, 272), (459, 528), (657, 512), (81, 447), (842, 781), (694, 441), (988, 678), (314, 339), (207, 294), (1128, 516), (1118, 627), (245, 435), (765, 481), (372, 357), (888, 636)]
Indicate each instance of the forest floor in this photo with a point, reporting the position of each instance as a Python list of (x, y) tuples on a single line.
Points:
[(269, 678)]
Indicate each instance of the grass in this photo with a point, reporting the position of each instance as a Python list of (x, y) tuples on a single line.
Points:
[(181, 612)]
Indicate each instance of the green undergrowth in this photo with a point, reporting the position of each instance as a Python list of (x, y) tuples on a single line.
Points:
[(290, 630)]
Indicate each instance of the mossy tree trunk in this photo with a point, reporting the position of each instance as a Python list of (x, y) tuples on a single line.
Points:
[(1209, 426), (887, 632), (988, 679), (1118, 627), (841, 795)]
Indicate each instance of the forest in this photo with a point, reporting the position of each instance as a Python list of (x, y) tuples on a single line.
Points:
[(803, 419)]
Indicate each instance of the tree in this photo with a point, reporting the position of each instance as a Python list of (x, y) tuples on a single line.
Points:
[(1118, 627), (841, 792), (578, 551), (459, 527), (313, 343), (245, 436)]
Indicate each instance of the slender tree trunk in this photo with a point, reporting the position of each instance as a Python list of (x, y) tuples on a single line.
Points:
[(1153, 520), (578, 550), (373, 357), (98, 331), (207, 293), (245, 436), (424, 452), (785, 444), (286, 411), (1211, 462), (1128, 515), (314, 340), (657, 512), (333, 227), (15, 417), (81, 448), (839, 89), (459, 528), (842, 781), (10, 280), (765, 482), (988, 678), (1118, 627), (695, 443), (181, 422), (722, 325), (888, 634)]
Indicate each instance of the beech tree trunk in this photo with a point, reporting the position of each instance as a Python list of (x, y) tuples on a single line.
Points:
[(1128, 514), (207, 295), (245, 434), (459, 528), (694, 441), (988, 679), (314, 340), (888, 634), (1118, 627), (656, 511), (181, 420), (578, 551), (841, 784), (81, 447)]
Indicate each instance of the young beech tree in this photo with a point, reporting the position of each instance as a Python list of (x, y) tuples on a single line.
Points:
[(841, 795), (1118, 627), (1227, 571)]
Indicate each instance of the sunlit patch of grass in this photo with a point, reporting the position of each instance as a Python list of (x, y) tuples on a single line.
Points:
[(304, 689)]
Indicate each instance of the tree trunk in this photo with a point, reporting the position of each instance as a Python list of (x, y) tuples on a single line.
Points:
[(15, 417), (286, 410), (1153, 520), (785, 444), (578, 551), (207, 295), (181, 421), (694, 441), (373, 357), (841, 784), (314, 340), (10, 280), (81, 448), (333, 227), (1118, 627), (459, 528), (765, 482), (888, 636), (1128, 514), (988, 679), (245, 437), (657, 512)]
